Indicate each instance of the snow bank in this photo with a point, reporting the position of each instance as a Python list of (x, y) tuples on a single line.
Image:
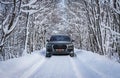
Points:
[(16, 66), (100, 64)]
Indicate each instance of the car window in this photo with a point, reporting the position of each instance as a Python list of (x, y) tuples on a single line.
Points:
[(60, 38)]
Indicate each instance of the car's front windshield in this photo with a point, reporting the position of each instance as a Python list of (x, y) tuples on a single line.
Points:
[(60, 38)]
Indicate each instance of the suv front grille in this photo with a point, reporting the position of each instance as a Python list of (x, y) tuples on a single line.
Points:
[(60, 46)]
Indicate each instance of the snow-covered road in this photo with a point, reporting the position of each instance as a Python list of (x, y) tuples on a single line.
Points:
[(55, 67), (68, 67), (85, 65), (64, 67)]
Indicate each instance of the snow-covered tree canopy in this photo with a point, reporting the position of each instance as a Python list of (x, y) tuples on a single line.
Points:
[(26, 24)]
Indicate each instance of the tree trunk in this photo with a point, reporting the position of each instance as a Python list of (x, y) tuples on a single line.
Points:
[(27, 33)]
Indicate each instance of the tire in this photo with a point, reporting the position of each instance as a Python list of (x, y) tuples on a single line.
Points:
[(72, 54), (48, 55)]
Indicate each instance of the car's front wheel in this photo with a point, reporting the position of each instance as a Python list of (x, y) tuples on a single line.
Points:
[(48, 55), (72, 54)]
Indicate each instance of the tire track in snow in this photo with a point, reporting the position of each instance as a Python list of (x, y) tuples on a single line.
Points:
[(31, 71), (75, 69), (101, 75)]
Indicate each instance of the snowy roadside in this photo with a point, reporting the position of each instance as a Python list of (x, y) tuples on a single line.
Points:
[(14, 68), (102, 65)]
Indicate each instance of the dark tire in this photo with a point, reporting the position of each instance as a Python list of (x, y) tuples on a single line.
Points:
[(48, 55), (72, 54)]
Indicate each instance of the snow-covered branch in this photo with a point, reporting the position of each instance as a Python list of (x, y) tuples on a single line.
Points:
[(5, 21), (33, 11), (112, 32), (6, 30), (72, 13), (29, 4), (7, 2), (117, 11), (29, 11), (0, 26), (1, 15), (14, 25), (45, 18)]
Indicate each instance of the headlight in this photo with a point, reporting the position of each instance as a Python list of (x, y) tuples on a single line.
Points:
[(48, 45), (69, 45)]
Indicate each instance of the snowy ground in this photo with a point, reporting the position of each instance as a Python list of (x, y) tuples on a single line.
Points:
[(85, 65)]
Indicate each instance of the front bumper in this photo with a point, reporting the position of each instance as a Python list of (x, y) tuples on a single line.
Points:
[(60, 49)]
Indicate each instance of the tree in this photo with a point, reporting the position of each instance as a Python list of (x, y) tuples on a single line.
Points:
[(8, 25)]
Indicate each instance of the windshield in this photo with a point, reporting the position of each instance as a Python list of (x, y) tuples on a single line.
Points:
[(60, 38)]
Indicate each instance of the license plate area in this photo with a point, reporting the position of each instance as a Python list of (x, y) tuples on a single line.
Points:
[(60, 50)]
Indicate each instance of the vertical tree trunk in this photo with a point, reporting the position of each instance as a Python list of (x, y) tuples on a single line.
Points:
[(99, 28), (27, 33)]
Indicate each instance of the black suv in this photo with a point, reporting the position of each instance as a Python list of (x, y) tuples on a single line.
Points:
[(59, 44)]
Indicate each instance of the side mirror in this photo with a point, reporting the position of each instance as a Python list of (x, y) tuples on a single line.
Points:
[(48, 40), (73, 40)]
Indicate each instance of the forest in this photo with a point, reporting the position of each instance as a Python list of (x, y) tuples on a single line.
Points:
[(25, 25)]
